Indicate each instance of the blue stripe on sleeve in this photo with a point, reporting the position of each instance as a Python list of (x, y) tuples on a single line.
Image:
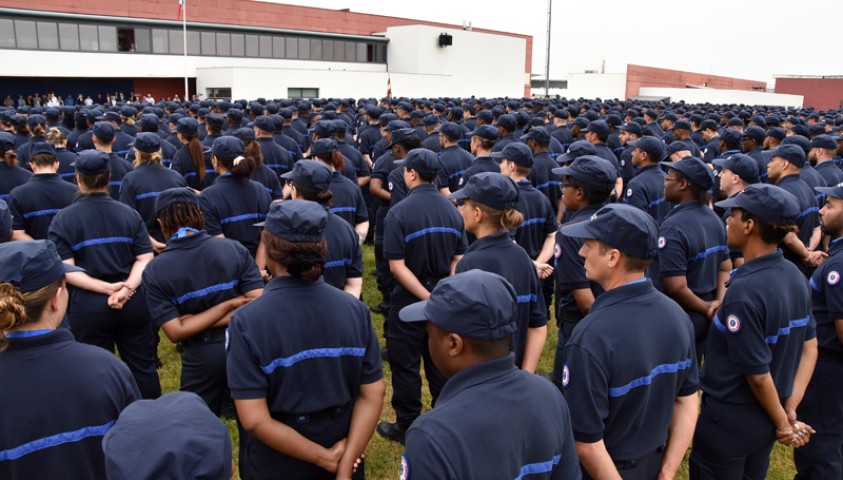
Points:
[(311, 354), (343, 209), (813, 284), (101, 241), (537, 468), (240, 218), (337, 263), (658, 201), (800, 322), (430, 230), (808, 211), (530, 297), (707, 252), (648, 379), (146, 195), (55, 440), (547, 184), (205, 291), (531, 221), (41, 213)]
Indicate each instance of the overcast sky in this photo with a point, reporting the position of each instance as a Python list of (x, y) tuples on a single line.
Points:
[(736, 38)]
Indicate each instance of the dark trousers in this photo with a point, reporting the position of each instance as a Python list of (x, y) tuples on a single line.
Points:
[(731, 442), (566, 320), (93, 322), (822, 408), (203, 368), (407, 345), (644, 468)]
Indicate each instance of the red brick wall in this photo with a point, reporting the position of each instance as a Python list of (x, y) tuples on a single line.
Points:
[(638, 76), (250, 13), (820, 93)]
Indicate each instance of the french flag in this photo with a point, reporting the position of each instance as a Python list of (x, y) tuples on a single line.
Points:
[(181, 4)]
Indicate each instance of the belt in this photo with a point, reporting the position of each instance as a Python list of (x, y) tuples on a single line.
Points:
[(331, 413), (212, 335), (828, 355), (630, 464)]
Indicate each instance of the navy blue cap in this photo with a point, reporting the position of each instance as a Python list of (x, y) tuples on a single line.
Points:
[(175, 195), (374, 112), (235, 115), (7, 142), (265, 123), (507, 122), (632, 127), (790, 152), (487, 132), (52, 113), (474, 304), (676, 146), (180, 438), (709, 124), (627, 228), (394, 125), (734, 122), (216, 120), (835, 191), (323, 146), (777, 132), (245, 134), (731, 136), (740, 164), (323, 128), (148, 121), (451, 130), (310, 174), (110, 117), (492, 189), (421, 160), (128, 111), (755, 133), (826, 142), (485, 115), (681, 125), (695, 170), (296, 221), (576, 150), (653, 146), (148, 142), (768, 202), (187, 126), (104, 131), (92, 162), (32, 264), (227, 147), (401, 134), (5, 221), (36, 119), (598, 127), (41, 148), (591, 170), (517, 153), (669, 116), (429, 120), (539, 134), (404, 106)]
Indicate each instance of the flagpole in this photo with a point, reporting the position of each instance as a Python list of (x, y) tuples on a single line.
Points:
[(184, 38)]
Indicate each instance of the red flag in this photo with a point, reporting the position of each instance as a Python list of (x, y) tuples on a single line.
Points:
[(181, 3), (388, 86)]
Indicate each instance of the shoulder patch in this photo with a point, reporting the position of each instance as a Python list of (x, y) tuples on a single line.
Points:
[(733, 323), (462, 179), (629, 192), (226, 340), (566, 376), (557, 251), (833, 277), (390, 186), (623, 163), (662, 242), (405, 467)]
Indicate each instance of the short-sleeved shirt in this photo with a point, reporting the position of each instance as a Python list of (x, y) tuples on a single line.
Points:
[(196, 272), (814, 179), (368, 137), (396, 186), (347, 201), (760, 328), (544, 180), (827, 298), (442, 443), (270, 181), (288, 144), (312, 358), (646, 191), (455, 161), (504, 141), (563, 134), (231, 207), (183, 164), (569, 268), (809, 217), (275, 157), (140, 188), (66, 169), (34, 204), (119, 168), (539, 219), (625, 364), (102, 235), (11, 177), (831, 174), (40, 440), (168, 151), (426, 231), (479, 165), (496, 253), (345, 260), (607, 154), (361, 169)]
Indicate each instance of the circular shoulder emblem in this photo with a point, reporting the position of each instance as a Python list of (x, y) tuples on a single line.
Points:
[(405, 467), (662, 242), (566, 376), (390, 186), (226, 340), (623, 163), (629, 192), (557, 252), (833, 277), (462, 179), (733, 323)]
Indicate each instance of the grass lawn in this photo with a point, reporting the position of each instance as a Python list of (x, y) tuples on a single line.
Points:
[(383, 458)]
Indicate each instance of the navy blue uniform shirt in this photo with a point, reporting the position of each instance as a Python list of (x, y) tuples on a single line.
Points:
[(545, 181), (231, 207), (119, 169), (345, 259), (140, 188), (455, 161), (569, 268), (347, 202), (288, 144), (183, 164), (625, 364), (367, 138), (809, 217), (34, 204), (66, 169), (504, 141), (646, 191), (509, 436), (355, 158), (479, 165), (270, 181), (11, 177), (827, 298), (563, 134), (539, 219), (275, 157)]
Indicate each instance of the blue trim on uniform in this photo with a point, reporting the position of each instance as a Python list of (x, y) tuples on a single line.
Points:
[(547, 184), (809, 210), (115, 183), (343, 209), (716, 322), (801, 322), (540, 467), (277, 165), (455, 174), (41, 213), (193, 174), (313, 353), (67, 175), (147, 195), (648, 379), (240, 218), (4, 196), (55, 440), (28, 333), (338, 263), (531, 221), (658, 201), (813, 284), (426, 231), (530, 297), (205, 291), (101, 241), (707, 252)]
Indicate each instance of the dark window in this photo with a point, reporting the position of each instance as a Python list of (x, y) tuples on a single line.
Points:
[(218, 93), (108, 38), (48, 36), (126, 39), (69, 36), (302, 93), (252, 46), (209, 43), (193, 46), (265, 46), (160, 41), (7, 33), (143, 40), (237, 45), (25, 34), (278, 48), (176, 42), (88, 40), (223, 44)]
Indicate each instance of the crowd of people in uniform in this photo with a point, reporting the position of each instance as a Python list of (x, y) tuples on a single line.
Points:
[(682, 249)]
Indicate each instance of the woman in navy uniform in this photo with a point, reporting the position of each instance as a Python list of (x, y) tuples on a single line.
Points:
[(109, 240), (488, 208), (192, 288), (11, 174), (343, 267), (348, 202), (761, 346), (308, 385), (262, 173), (41, 364), (142, 185), (234, 203), (57, 139), (190, 160)]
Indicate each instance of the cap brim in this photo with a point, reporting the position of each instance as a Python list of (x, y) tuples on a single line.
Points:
[(498, 154), (733, 202), (561, 171), (830, 191), (720, 162), (287, 175), (259, 224), (413, 313), (398, 163), (565, 158), (68, 268), (578, 230), (459, 194)]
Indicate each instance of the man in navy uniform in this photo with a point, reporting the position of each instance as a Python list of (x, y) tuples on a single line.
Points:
[(646, 190), (711, 134), (541, 172), (821, 155), (561, 131), (274, 157), (506, 126), (629, 369), (455, 160), (483, 140), (469, 321), (597, 133)]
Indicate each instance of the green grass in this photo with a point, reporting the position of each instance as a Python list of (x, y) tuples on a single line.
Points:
[(383, 458)]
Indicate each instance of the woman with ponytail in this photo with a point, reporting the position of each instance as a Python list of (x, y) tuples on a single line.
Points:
[(348, 202), (11, 174), (488, 207), (36, 127), (190, 161), (234, 203), (262, 174), (307, 383), (57, 139), (60, 396)]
